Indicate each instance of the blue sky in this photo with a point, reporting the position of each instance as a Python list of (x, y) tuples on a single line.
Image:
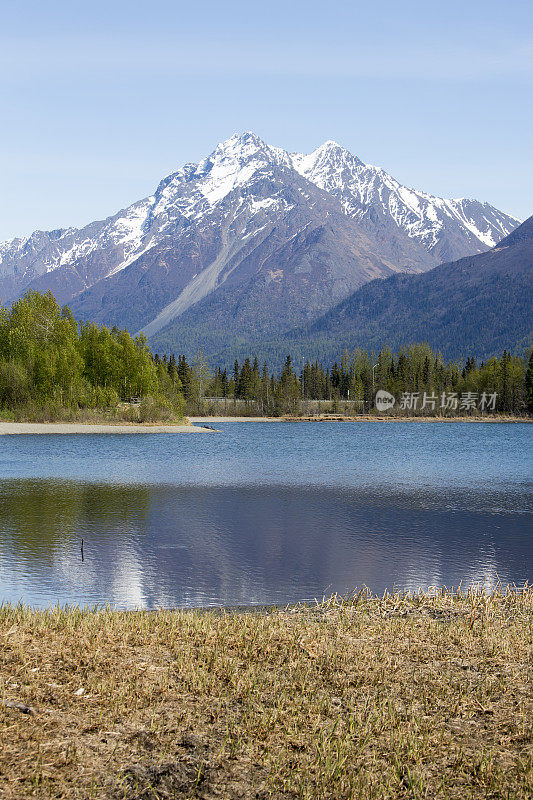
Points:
[(100, 100)]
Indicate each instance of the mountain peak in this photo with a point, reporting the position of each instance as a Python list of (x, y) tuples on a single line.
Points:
[(330, 165), (241, 140), (330, 146), (245, 145), (233, 162)]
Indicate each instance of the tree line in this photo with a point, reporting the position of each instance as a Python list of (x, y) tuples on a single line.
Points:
[(418, 378), (52, 366)]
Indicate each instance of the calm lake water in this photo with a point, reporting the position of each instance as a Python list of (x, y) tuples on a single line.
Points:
[(263, 512)]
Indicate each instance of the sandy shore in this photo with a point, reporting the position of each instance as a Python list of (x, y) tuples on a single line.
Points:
[(10, 428)]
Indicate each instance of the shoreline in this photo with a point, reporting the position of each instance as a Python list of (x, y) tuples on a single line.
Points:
[(193, 424), (360, 418), (36, 428)]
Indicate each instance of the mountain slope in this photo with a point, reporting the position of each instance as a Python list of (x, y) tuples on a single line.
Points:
[(260, 233), (250, 236), (476, 306)]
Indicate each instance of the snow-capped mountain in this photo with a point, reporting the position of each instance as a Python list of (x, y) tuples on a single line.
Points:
[(365, 190), (251, 235)]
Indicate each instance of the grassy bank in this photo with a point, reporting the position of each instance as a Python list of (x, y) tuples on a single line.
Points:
[(399, 697), (124, 413)]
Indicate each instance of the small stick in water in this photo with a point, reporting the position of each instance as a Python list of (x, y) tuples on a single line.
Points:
[(82, 549)]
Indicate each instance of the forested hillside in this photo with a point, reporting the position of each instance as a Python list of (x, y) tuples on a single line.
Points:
[(476, 307)]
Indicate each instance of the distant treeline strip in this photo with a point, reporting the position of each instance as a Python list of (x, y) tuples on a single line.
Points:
[(357, 377), (52, 366)]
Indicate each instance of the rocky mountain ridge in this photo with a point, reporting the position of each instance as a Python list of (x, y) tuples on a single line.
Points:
[(250, 223)]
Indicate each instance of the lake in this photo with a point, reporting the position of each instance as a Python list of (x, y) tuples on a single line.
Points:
[(264, 512)]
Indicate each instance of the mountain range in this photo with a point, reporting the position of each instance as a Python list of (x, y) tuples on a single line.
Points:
[(476, 306), (248, 244)]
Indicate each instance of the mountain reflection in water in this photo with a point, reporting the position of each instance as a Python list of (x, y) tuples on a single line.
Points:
[(168, 545)]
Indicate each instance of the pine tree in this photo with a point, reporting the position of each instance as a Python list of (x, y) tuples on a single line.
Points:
[(245, 384), (171, 368), (184, 374), (224, 383)]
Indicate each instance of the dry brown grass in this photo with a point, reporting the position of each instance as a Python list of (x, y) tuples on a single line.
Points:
[(397, 697)]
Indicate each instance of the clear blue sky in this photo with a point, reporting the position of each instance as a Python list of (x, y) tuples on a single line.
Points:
[(101, 99)]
